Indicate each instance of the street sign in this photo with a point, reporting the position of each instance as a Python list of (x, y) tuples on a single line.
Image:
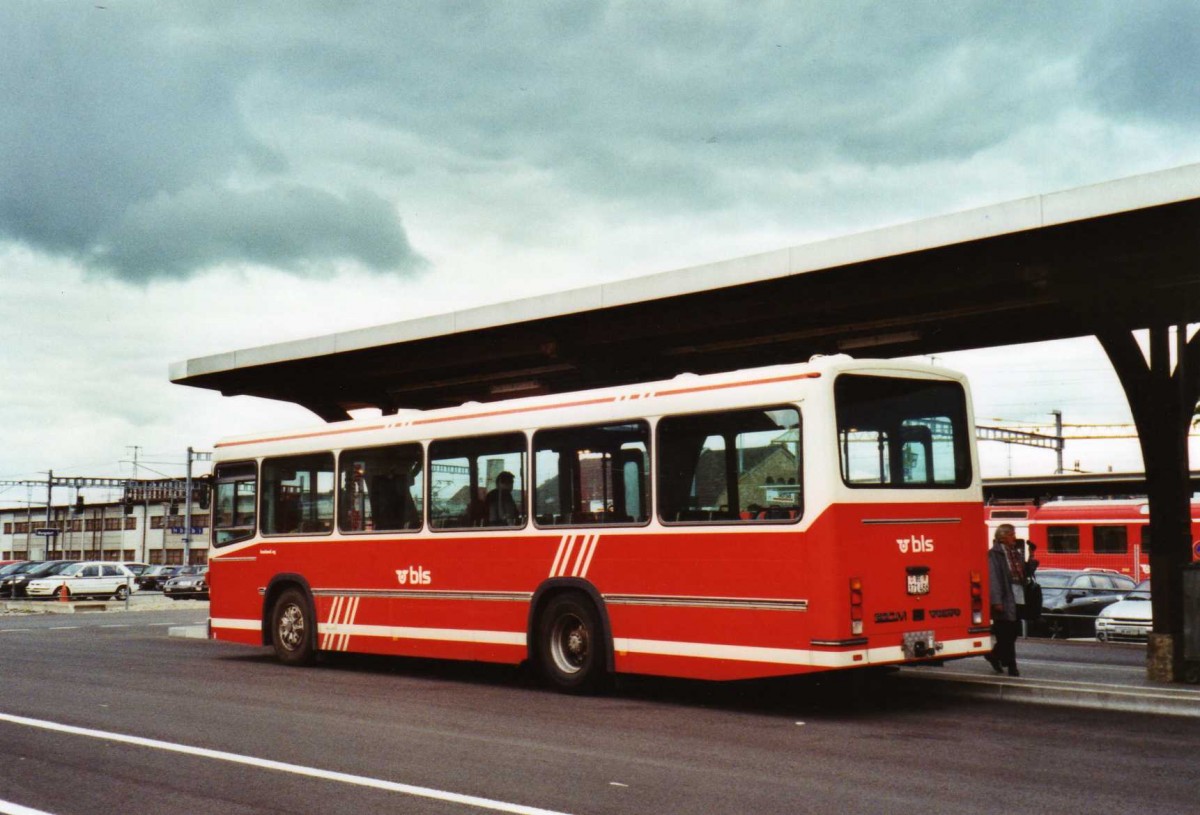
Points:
[(45, 533)]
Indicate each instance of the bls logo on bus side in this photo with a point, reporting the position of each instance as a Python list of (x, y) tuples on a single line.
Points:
[(414, 576), (916, 543)]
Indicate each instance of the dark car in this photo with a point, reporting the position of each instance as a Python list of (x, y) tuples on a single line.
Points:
[(13, 586), (9, 573), (192, 583), (152, 579), (1071, 599), (13, 566)]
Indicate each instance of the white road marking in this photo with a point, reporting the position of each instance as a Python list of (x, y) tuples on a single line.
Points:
[(281, 766), (9, 808)]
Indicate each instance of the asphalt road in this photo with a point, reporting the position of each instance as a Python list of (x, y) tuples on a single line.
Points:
[(106, 713)]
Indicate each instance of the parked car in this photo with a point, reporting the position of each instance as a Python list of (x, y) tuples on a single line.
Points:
[(152, 578), (9, 573), (1071, 599), (86, 579), (193, 585), (13, 565), (136, 568), (1129, 619), (14, 586)]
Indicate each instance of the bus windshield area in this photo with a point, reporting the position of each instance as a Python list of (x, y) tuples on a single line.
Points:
[(235, 504), (902, 433)]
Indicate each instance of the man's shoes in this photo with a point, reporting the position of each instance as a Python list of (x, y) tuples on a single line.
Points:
[(995, 663), (1013, 671)]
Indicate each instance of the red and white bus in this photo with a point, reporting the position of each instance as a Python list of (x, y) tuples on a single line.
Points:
[(1095, 533), (757, 523)]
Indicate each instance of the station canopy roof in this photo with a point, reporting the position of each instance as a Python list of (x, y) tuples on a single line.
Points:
[(1119, 255)]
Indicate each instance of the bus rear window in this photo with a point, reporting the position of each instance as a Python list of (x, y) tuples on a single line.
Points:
[(902, 433)]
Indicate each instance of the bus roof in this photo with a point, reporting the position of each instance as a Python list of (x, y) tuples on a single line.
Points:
[(774, 383)]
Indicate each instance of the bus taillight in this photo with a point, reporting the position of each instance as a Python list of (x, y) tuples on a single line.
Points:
[(856, 606), (976, 598)]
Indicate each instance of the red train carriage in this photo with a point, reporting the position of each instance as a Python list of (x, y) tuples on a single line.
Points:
[(1093, 534)]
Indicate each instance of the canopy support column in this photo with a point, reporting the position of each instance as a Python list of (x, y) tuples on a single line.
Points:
[(1162, 403)]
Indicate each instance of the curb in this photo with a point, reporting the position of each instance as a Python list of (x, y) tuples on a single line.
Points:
[(59, 607), (1167, 701)]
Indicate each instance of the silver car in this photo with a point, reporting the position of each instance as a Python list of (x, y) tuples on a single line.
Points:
[(1128, 619), (86, 579)]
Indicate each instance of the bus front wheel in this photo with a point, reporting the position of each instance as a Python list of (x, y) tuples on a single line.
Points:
[(570, 645), (292, 629)]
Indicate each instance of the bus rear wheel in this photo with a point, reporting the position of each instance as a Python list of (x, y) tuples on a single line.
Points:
[(570, 645), (292, 629)]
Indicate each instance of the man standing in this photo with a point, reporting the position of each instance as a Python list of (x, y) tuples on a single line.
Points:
[(1006, 583)]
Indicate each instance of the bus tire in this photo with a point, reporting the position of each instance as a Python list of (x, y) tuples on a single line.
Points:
[(293, 628), (570, 644)]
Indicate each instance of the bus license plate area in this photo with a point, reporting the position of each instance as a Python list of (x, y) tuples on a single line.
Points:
[(919, 644), (918, 583)]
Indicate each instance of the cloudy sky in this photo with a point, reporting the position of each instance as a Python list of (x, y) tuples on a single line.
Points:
[(179, 179)]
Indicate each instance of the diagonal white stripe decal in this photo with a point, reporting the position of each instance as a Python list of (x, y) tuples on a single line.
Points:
[(327, 637), (567, 555), (353, 612), (591, 551), (558, 555), (583, 549)]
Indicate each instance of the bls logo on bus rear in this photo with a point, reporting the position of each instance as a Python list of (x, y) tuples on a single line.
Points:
[(414, 576), (917, 543)]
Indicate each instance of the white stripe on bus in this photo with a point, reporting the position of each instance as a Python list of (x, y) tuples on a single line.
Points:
[(592, 551), (696, 650)]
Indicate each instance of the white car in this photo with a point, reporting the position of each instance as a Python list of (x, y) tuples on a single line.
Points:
[(87, 579), (1128, 619)]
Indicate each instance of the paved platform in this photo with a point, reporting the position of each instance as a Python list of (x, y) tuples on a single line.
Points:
[(1084, 674)]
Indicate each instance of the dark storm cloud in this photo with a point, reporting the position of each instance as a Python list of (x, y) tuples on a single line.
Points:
[(1149, 60), (297, 228), (160, 138), (126, 148)]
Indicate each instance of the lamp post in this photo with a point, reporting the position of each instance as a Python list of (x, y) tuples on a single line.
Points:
[(192, 455)]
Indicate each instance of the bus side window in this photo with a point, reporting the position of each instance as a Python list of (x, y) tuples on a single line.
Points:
[(594, 474), (478, 482), (298, 494), (381, 489), (738, 466)]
